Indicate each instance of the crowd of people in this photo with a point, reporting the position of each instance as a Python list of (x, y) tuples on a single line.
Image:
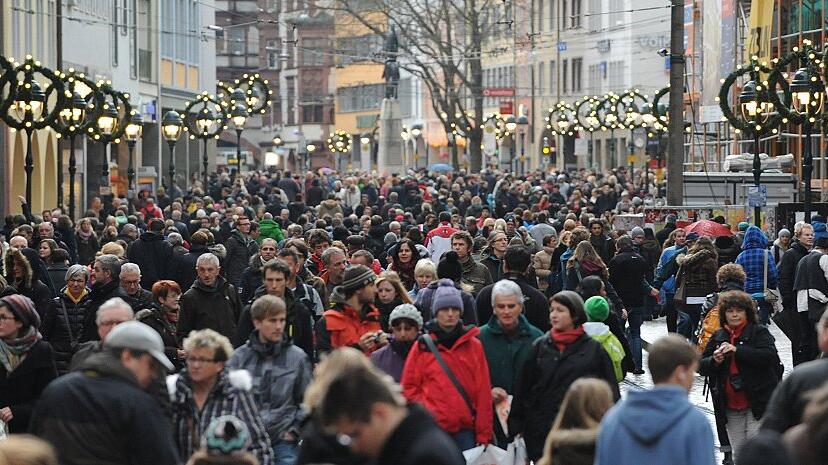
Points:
[(279, 318)]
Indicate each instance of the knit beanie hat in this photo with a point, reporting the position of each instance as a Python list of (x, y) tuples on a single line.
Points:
[(743, 225), (389, 238), (23, 309), (407, 311), (637, 231), (450, 266), (783, 233), (597, 308), (446, 296), (356, 277), (226, 435)]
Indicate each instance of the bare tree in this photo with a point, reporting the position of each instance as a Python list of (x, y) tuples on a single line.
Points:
[(441, 43)]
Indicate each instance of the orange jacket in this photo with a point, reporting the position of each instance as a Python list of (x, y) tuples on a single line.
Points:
[(346, 326)]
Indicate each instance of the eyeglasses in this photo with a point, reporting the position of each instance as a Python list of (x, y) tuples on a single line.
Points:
[(199, 360), (130, 283), (6, 318)]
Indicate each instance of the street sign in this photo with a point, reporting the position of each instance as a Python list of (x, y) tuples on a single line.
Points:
[(757, 196), (710, 114), (506, 107), (499, 92), (630, 159), (561, 46)]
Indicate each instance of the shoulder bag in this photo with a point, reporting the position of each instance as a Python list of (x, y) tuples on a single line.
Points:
[(429, 342), (770, 295)]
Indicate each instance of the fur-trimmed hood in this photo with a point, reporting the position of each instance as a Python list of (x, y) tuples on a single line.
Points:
[(17, 254), (179, 386)]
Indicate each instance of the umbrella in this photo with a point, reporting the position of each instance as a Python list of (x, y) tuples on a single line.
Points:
[(440, 167), (324, 171), (708, 228)]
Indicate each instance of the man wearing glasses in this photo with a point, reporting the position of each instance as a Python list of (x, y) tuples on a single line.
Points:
[(109, 315)]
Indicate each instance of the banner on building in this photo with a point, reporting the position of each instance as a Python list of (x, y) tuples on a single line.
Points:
[(761, 22)]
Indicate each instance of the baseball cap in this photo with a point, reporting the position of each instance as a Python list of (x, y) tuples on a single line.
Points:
[(138, 336)]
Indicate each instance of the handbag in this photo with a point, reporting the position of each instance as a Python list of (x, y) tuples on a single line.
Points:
[(429, 342), (770, 295), (681, 286)]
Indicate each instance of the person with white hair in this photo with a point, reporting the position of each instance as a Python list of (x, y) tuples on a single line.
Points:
[(507, 342), (211, 303), (110, 314), (63, 322), (130, 279)]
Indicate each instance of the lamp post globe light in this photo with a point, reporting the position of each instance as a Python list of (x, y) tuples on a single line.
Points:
[(81, 111), (416, 133), (132, 133), (239, 118), (27, 107), (171, 128), (586, 119), (109, 126), (495, 124), (511, 127), (309, 149), (405, 135), (607, 114), (339, 143), (561, 121), (632, 102), (756, 116), (522, 123), (807, 102), (205, 119)]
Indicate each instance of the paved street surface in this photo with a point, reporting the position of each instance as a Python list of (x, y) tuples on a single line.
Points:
[(652, 330)]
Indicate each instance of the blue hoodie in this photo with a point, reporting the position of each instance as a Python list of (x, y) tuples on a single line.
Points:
[(659, 426), (752, 259)]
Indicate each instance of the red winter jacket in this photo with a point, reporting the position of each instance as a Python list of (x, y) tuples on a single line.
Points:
[(425, 382)]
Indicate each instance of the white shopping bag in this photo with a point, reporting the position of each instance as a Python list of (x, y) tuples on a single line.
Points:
[(489, 455), (518, 450)]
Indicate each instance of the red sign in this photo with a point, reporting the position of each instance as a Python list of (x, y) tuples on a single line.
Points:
[(499, 92), (506, 107)]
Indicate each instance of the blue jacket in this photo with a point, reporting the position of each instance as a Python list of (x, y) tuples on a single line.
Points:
[(655, 427), (752, 259), (565, 258)]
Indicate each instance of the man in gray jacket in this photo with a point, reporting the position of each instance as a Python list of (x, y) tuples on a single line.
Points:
[(281, 372)]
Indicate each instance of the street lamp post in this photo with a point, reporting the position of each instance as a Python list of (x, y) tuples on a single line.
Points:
[(562, 120), (132, 132), (608, 117), (511, 126), (239, 116), (807, 104), (416, 133), (310, 148), (523, 122), (81, 112), (205, 119), (110, 125), (585, 115), (278, 142), (405, 135), (648, 120), (171, 127)]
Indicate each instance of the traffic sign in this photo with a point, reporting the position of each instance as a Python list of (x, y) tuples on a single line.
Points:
[(499, 92), (757, 196), (561, 46)]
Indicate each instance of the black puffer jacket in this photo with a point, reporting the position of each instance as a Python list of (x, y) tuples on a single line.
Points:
[(155, 257), (787, 274), (63, 327), (758, 364), (250, 280), (214, 307), (546, 377)]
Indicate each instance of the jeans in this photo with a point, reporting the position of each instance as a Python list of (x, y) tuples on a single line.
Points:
[(464, 439), (635, 316), (285, 452), (741, 426)]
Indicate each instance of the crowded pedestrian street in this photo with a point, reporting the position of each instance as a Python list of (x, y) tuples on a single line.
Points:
[(339, 232)]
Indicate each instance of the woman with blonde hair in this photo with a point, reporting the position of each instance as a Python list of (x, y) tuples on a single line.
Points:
[(424, 273), (390, 293), (22, 449), (112, 248), (575, 431)]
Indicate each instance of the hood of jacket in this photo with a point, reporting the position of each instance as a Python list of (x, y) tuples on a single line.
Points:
[(180, 388), (577, 437), (754, 239), (217, 287), (219, 250), (16, 254), (596, 329), (151, 237), (265, 349), (105, 365), (256, 263), (648, 415), (330, 203), (198, 249)]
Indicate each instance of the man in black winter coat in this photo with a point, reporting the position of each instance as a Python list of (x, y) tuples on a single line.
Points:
[(803, 241), (363, 401), (106, 270), (787, 404), (152, 254), (101, 413), (240, 247), (515, 265), (211, 303)]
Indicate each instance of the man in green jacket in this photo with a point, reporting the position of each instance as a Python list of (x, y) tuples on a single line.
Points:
[(268, 228), (507, 341)]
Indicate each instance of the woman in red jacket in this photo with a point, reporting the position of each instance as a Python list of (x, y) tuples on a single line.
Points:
[(467, 415)]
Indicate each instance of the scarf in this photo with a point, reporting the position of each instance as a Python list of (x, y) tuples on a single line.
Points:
[(73, 299), (446, 338), (402, 348), (84, 235), (736, 400), (563, 339), (12, 352)]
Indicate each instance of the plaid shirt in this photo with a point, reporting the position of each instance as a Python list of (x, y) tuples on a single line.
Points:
[(752, 259), (228, 397)]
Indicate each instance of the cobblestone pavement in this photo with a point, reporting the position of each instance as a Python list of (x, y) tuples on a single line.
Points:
[(652, 330)]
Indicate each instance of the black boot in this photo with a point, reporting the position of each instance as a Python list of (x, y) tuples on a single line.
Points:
[(728, 458)]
